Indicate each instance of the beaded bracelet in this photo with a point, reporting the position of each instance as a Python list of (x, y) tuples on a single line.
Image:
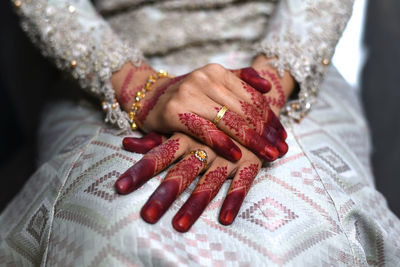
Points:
[(142, 93)]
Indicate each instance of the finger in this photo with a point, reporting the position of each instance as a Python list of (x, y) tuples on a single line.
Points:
[(205, 191), (152, 163), (251, 77), (143, 144), (237, 192), (266, 129), (210, 135), (236, 127), (247, 136), (273, 120), (236, 91), (176, 180)]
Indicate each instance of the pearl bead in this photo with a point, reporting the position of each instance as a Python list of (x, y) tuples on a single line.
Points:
[(326, 61), (73, 63), (17, 3)]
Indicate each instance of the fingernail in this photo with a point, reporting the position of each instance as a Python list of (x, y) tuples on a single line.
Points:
[(226, 217), (182, 223), (236, 153), (151, 212), (283, 148), (123, 185), (270, 153), (283, 133)]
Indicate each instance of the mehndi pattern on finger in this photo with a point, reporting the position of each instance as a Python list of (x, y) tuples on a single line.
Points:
[(184, 172), (163, 154), (236, 194), (176, 180), (205, 191), (209, 134), (249, 137), (144, 169), (246, 176)]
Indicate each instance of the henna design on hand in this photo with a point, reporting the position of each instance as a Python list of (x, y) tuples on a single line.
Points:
[(236, 194), (149, 104), (265, 112), (205, 191), (164, 154), (176, 180), (209, 134), (257, 99), (249, 137), (278, 101), (127, 93), (212, 182), (265, 129), (153, 162), (246, 176)]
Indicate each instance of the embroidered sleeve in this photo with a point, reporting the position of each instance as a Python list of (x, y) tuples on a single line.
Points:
[(302, 35), (80, 42)]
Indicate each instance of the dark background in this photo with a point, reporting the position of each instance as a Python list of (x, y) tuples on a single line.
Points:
[(26, 79)]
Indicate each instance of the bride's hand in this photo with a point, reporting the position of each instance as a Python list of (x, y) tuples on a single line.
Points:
[(215, 169), (190, 103)]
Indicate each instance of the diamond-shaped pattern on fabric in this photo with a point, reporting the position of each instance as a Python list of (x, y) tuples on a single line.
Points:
[(269, 214)]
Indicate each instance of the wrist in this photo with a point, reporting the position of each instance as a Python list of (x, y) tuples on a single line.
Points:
[(282, 87), (129, 80)]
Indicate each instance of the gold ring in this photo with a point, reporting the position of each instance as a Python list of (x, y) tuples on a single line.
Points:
[(220, 115), (201, 155)]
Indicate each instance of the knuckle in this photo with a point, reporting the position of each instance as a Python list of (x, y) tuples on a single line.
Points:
[(214, 68), (171, 107), (185, 90), (199, 75), (249, 158)]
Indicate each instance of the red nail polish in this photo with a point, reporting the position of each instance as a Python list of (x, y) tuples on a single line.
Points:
[(183, 223), (231, 206), (236, 153), (191, 210), (123, 185), (283, 148), (227, 217), (135, 176), (160, 201), (151, 212)]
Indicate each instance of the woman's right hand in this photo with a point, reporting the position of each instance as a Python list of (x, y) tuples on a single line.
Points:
[(189, 104)]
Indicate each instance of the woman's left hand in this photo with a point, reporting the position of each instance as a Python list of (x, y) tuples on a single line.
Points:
[(195, 158)]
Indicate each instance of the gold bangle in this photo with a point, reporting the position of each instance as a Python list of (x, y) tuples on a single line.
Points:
[(142, 93), (220, 115)]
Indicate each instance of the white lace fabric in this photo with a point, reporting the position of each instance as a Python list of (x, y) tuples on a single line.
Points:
[(80, 42), (301, 34)]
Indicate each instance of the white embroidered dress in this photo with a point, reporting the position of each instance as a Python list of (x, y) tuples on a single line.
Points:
[(316, 206)]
